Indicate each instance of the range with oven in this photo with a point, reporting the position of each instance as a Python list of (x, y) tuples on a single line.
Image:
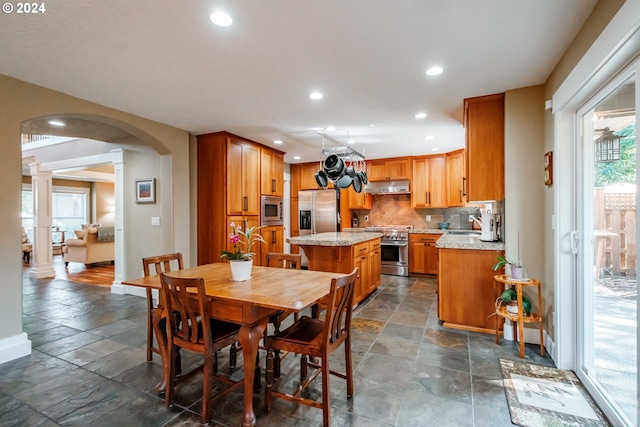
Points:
[(394, 248)]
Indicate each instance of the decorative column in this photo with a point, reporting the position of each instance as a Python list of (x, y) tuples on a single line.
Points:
[(42, 187)]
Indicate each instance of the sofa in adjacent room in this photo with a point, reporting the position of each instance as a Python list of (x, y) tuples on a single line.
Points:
[(91, 245)]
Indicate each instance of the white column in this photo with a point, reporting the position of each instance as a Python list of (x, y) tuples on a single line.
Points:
[(42, 187), (120, 260)]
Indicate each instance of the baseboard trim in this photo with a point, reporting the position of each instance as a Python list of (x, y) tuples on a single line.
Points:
[(14, 347)]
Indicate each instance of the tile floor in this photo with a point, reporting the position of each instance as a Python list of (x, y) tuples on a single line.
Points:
[(88, 367)]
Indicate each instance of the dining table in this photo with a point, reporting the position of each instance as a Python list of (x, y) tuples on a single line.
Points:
[(248, 303)]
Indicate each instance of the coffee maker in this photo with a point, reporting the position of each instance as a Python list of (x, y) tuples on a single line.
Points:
[(490, 227)]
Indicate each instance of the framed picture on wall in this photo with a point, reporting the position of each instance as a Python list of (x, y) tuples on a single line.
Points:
[(146, 190), (548, 168)]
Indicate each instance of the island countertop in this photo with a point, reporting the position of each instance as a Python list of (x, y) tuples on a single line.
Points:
[(334, 238), (457, 241)]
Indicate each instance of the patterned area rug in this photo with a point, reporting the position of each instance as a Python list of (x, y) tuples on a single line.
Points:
[(539, 396)]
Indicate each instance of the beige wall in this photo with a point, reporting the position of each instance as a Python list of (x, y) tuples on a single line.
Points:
[(22, 101)]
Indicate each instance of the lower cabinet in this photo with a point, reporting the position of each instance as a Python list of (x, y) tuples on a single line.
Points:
[(343, 259), (273, 241), (423, 254), (466, 289)]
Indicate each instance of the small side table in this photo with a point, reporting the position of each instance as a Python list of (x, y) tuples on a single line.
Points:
[(501, 280)]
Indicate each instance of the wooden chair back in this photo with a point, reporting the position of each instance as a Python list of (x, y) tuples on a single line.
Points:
[(282, 260), (186, 298), (339, 310), (162, 263)]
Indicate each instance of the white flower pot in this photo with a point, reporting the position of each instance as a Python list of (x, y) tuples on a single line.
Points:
[(241, 270), (517, 272)]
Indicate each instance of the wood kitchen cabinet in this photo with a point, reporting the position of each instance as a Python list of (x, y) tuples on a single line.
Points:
[(466, 289), (303, 177), (389, 169), (456, 180), (229, 183), (343, 259), (356, 200), (272, 172), (423, 255), (273, 241), (243, 177), (484, 147), (429, 186)]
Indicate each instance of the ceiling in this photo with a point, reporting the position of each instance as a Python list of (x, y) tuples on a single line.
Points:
[(164, 60)]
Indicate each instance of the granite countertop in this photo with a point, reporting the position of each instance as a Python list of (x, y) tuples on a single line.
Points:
[(457, 241), (427, 231), (334, 238)]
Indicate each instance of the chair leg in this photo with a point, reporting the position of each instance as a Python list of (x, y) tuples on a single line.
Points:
[(170, 376), (233, 356), (326, 401), (149, 326), (268, 378), (207, 386), (348, 357), (303, 367)]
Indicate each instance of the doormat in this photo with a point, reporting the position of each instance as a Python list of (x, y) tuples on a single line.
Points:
[(539, 396)]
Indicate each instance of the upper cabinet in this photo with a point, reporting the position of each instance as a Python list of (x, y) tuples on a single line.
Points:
[(456, 180), (303, 177), (429, 186), (484, 123), (389, 169), (243, 177), (272, 173)]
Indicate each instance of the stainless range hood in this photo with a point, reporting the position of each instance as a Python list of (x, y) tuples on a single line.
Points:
[(387, 187)]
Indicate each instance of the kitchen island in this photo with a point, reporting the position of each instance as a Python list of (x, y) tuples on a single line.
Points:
[(466, 289), (341, 252)]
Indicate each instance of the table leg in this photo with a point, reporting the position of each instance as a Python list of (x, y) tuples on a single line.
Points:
[(159, 328), (250, 340)]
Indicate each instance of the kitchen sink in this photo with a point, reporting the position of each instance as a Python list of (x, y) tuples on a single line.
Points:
[(464, 233)]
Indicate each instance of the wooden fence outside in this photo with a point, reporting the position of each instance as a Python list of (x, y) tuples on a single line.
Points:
[(615, 233)]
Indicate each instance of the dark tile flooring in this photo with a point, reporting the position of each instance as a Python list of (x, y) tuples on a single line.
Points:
[(88, 367)]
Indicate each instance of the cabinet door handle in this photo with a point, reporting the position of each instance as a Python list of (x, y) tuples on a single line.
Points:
[(245, 203), (428, 197), (273, 236), (464, 186), (273, 185)]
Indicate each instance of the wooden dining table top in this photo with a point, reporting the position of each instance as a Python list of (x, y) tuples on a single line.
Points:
[(269, 287)]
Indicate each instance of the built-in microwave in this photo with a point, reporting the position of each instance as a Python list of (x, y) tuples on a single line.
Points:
[(271, 210)]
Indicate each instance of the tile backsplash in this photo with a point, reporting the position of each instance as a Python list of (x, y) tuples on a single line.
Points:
[(396, 209)]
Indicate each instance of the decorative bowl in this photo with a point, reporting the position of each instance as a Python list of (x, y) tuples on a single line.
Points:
[(443, 225)]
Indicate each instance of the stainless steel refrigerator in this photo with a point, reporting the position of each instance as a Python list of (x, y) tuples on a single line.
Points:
[(318, 211)]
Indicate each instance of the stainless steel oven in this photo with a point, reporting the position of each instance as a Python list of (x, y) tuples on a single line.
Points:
[(394, 249), (271, 211)]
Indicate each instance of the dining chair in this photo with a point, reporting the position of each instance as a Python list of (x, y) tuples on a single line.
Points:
[(160, 264), (316, 338), (279, 260), (193, 330)]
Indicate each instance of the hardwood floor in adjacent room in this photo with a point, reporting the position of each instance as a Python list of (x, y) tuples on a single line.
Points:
[(100, 274)]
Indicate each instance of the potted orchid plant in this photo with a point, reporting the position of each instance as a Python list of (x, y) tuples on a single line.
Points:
[(241, 257)]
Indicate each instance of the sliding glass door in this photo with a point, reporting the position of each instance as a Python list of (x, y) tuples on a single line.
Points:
[(607, 215)]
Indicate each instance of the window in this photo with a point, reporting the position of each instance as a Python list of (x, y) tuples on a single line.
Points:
[(69, 209)]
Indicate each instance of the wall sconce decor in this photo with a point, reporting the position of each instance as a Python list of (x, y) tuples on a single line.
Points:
[(146, 190), (548, 168)]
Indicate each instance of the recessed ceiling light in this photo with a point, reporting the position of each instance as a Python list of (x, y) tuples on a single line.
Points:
[(435, 149), (58, 123), (428, 137), (330, 128), (277, 141), (420, 115), (296, 157), (434, 71), (351, 141), (221, 19), (316, 95)]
